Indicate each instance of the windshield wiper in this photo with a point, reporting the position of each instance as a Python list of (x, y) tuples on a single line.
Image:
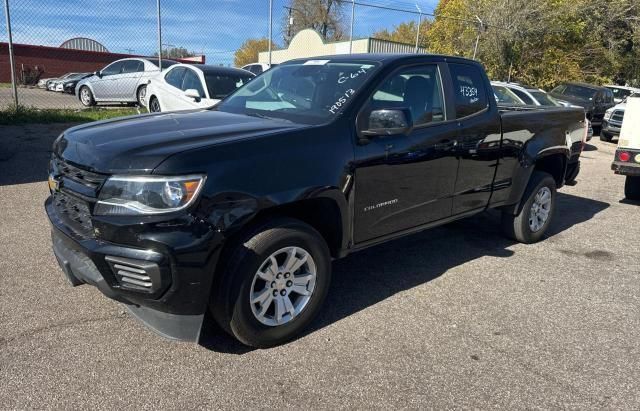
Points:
[(260, 115)]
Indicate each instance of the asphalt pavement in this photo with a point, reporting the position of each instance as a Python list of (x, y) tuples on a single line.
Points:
[(454, 317)]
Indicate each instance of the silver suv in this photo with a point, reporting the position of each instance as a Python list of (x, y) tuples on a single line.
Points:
[(123, 81)]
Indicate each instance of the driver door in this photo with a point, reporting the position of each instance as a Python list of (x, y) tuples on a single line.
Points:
[(404, 181)]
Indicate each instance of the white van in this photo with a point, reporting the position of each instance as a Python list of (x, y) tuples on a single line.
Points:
[(627, 159)]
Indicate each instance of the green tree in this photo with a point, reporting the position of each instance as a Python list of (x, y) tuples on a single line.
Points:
[(248, 51), (406, 33)]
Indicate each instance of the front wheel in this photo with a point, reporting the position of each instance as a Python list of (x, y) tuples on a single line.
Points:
[(86, 97), (274, 283), (533, 220), (632, 188), (605, 136)]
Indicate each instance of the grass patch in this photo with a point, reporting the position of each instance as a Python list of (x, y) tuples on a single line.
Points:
[(30, 115), (5, 85)]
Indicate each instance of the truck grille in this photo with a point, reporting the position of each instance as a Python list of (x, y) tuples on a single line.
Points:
[(74, 213), (84, 177), (617, 116)]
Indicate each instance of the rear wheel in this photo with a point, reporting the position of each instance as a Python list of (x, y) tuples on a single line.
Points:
[(274, 283), (632, 188), (86, 97), (533, 220), (154, 105), (141, 95)]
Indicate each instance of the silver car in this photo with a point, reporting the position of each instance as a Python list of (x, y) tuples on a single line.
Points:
[(123, 81)]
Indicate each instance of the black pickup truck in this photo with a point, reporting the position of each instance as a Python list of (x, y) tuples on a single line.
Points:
[(238, 210)]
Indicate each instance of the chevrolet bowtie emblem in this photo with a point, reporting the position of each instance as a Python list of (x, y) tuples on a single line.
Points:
[(54, 184)]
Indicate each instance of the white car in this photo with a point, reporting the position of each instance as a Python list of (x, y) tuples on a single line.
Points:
[(529, 95), (123, 81), (621, 92), (612, 121), (258, 68), (189, 86)]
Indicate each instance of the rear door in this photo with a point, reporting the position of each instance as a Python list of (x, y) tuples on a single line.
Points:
[(478, 136), (124, 84), (402, 182)]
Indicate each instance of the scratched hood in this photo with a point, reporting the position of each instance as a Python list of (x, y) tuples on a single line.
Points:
[(138, 144)]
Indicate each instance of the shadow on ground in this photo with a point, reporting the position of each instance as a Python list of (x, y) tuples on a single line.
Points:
[(375, 274)]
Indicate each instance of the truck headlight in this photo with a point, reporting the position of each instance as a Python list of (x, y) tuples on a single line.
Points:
[(608, 114), (143, 195)]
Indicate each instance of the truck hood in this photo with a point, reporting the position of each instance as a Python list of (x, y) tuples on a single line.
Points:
[(138, 144)]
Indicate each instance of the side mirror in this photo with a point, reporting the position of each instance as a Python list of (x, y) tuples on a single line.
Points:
[(98, 73), (388, 122), (192, 93)]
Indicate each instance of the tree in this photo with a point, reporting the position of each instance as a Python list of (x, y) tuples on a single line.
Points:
[(406, 33), (324, 16), (175, 53), (248, 51)]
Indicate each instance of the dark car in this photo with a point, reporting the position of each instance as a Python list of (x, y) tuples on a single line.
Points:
[(69, 84), (596, 100), (238, 210)]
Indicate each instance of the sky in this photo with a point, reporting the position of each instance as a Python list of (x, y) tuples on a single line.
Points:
[(215, 28)]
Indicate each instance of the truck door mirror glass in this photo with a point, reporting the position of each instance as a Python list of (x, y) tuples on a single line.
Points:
[(388, 122)]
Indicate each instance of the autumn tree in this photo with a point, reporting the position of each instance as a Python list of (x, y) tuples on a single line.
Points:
[(176, 52), (248, 51), (406, 33), (324, 16)]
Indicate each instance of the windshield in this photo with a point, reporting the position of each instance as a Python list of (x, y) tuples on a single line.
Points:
[(506, 96), (543, 98), (583, 93), (619, 93), (221, 85), (309, 92)]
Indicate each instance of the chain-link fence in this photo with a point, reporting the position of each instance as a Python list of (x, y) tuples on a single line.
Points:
[(80, 53)]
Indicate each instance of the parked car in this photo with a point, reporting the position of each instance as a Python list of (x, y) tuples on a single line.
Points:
[(505, 96), (123, 81), (42, 83), (627, 158), (187, 86), (258, 68), (68, 85), (51, 83), (621, 92), (612, 122), (529, 95), (596, 100), (238, 210)]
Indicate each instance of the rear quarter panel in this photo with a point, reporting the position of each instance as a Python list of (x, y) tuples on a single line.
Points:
[(529, 135)]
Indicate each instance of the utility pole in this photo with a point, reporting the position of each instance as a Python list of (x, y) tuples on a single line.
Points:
[(419, 24), (353, 14), (270, 29), (480, 29), (11, 57), (159, 38)]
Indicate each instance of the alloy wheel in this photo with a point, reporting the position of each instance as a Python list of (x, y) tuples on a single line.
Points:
[(540, 209)]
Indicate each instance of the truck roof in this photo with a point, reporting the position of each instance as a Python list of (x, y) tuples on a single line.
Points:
[(385, 57)]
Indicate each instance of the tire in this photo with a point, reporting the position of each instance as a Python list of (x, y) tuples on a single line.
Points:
[(86, 97), (632, 188), (154, 105), (141, 94), (243, 278), (521, 226), (605, 137)]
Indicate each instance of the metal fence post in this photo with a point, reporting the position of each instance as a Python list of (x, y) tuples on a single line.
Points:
[(11, 58), (353, 14), (270, 29), (419, 24), (159, 38)]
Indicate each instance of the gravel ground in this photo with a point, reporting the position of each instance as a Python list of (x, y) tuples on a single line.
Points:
[(455, 317)]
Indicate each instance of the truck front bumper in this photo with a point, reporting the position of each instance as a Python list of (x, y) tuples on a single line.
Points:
[(166, 286), (611, 128)]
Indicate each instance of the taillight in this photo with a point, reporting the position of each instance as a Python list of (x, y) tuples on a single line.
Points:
[(624, 156)]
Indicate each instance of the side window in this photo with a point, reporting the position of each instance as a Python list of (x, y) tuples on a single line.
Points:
[(418, 88), (256, 69), (523, 96), (174, 77), (469, 88), (191, 80), (559, 90), (132, 66), (113, 68)]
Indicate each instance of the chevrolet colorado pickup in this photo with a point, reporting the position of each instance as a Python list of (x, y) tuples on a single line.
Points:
[(238, 210)]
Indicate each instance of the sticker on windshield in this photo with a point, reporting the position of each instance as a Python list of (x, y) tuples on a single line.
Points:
[(315, 62), (342, 100)]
